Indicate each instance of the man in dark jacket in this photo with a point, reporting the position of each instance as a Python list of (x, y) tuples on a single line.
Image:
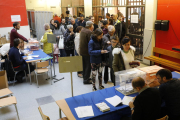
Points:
[(170, 94), (81, 22), (18, 62), (118, 27), (74, 25), (107, 42), (14, 34), (84, 40), (91, 18), (147, 104)]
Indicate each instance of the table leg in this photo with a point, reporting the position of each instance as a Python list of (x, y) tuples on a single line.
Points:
[(60, 113), (51, 71), (29, 74)]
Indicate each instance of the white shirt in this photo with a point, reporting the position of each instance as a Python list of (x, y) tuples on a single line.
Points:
[(128, 57), (76, 42)]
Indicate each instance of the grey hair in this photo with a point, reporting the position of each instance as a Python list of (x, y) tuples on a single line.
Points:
[(46, 26), (72, 19), (111, 28), (69, 26)]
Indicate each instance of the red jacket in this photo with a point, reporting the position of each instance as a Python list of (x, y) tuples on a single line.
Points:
[(57, 18), (13, 35)]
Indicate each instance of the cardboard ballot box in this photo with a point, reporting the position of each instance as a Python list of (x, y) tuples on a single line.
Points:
[(151, 73)]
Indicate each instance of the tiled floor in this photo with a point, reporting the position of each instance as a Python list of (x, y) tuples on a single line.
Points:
[(29, 97)]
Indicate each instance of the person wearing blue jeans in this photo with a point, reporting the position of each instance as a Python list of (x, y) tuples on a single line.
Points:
[(62, 52)]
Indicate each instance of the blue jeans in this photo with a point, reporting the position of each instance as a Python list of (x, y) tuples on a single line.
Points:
[(62, 52)]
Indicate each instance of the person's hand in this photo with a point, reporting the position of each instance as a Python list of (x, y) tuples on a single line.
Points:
[(72, 33), (108, 42), (25, 58), (104, 51), (58, 37), (131, 105)]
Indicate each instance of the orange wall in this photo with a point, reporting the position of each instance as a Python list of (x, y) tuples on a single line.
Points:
[(12, 7)]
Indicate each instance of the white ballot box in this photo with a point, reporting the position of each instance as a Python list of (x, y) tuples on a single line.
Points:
[(124, 80)]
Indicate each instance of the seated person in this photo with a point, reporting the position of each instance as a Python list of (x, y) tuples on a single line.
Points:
[(18, 62), (170, 94), (147, 104)]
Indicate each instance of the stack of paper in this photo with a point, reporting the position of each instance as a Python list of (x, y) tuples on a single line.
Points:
[(85, 111), (115, 101), (103, 107), (127, 99)]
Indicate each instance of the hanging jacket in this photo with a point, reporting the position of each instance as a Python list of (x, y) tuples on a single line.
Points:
[(69, 40)]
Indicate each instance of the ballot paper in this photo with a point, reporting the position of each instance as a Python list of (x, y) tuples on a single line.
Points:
[(114, 101), (84, 111), (103, 107), (127, 99), (29, 57), (35, 56)]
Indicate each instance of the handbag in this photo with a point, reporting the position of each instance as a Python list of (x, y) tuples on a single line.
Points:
[(61, 42)]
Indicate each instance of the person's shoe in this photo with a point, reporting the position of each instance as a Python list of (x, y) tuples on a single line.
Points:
[(94, 88), (80, 75), (87, 82), (101, 87), (105, 82), (19, 79)]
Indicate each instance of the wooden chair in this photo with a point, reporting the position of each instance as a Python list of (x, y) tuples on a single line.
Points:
[(162, 61), (4, 102), (41, 67), (164, 118), (5, 92), (44, 117)]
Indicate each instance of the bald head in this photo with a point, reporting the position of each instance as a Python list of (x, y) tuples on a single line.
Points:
[(72, 21), (138, 82)]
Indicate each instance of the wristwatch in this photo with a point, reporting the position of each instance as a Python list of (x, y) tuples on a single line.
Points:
[(132, 108)]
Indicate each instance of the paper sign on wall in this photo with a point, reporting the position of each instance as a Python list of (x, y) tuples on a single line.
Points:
[(134, 18), (15, 18)]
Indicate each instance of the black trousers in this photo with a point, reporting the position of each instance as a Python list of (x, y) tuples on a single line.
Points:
[(106, 75), (86, 67), (69, 52)]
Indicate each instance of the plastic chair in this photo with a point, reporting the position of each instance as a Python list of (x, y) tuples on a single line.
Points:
[(41, 67), (9, 101), (164, 118), (44, 117)]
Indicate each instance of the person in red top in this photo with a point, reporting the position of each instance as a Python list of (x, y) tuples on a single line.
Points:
[(14, 34), (57, 18)]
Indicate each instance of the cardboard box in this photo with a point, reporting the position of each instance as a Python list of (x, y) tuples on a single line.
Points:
[(151, 72), (3, 80)]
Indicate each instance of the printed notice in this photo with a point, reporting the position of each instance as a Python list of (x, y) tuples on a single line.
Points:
[(15, 18), (134, 18)]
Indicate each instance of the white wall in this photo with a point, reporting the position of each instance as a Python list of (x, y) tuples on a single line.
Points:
[(45, 5), (88, 7), (24, 30), (150, 17)]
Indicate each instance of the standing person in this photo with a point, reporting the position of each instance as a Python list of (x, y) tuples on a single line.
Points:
[(52, 27), (170, 94), (75, 18), (106, 43), (100, 23), (47, 48), (91, 18), (118, 27), (120, 14), (95, 51), (74, 24), (105, 24), (107, 16), (62, 16), (123, 56), (76, 42), (110, 21), (57, 18), (84, 40), (147, 104), (14, 34), (69, 40), (81, 22)]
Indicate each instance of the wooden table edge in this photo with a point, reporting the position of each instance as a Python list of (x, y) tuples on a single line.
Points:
[(65, 108)]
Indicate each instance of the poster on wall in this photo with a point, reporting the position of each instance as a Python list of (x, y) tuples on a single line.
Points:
[(15, 18), (134, 18)]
